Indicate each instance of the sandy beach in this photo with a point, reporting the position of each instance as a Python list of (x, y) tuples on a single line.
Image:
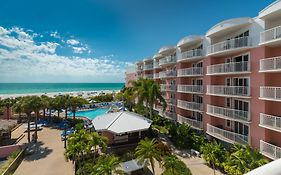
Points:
[(84, 94)]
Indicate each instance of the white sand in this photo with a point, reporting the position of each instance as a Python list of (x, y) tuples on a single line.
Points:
[(84, 94)]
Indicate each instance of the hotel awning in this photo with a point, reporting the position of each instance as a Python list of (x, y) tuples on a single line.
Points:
[(131, 166)]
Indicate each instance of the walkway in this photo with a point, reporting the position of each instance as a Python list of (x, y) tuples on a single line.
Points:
[(48, 158)]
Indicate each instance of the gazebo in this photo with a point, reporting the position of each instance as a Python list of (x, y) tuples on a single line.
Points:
[(5, 128), (122, 127)]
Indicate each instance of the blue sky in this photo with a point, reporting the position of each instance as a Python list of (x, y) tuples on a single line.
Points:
[(94, 40)]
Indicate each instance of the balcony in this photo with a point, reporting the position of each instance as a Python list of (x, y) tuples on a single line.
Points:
[(229, 68), (191, 55), (148, 67), (168, 74), (192, 122), (171, 102), (227, 136), (228, 113), (148, 76), (163, 87), (270, 64), (270, 122), (271, 37), (156, 65), (191, 106), (269, 150), (190, 72), (229, 47), (192, 89), (169, 115), (270, 93), (229, 91), (167, 61), (156, 76)]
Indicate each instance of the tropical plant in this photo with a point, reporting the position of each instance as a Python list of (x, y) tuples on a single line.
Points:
[(147, 153), (127, 96), (98, 140), (107, 165), (8, 103), (75, 102), (214, 154), (45, 104), (173, 166), (147, 91), (27, 109), (243, 159), (103, 98)]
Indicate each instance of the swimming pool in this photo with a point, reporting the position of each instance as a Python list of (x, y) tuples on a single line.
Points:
[(90, 114)]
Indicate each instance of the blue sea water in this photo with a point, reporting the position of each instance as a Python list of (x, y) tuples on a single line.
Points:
[(90, 114), (26, 88)]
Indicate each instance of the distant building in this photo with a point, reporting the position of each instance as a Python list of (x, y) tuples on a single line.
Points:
[(131, 75)]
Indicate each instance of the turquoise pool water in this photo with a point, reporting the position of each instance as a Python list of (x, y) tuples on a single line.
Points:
[(90, 114)]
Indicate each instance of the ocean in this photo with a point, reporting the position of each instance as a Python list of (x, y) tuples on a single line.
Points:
[(28, 88)]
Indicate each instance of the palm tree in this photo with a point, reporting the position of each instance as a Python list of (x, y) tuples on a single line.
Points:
[(8, 103), (76, 102), (107, 165), (173, 166), (27, 109), (147, 152), (17, 106), (45, 102), (65, 104), (98, 140), (36, 104), (147, 92)]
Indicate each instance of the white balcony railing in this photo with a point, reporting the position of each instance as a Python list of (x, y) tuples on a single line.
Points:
[(168, 74), (270, 64), (229, 68), (192, 106), (227, 136), (167, 60), (229, 114), (270, 93), (270, 122), (229, 45), (169, 115), (190, 88), (171, 87), (191, 54), (241, 91), (171, 101), (270, 34), (148, 76), (156, 75), (193, 71), (192, 122), (270, 150), (148, 67), (156, 65), (163, 87)]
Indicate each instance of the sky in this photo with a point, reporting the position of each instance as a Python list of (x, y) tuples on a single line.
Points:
[(95, 40)]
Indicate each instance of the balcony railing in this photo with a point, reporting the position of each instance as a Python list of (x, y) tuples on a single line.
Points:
[(163, 87), (168, 74), (190, 72), (270, 34), (156, 65), (270, 122), (241, 91), (148, 76), (190, 88), (171, 101), (169, 115), (192, 106), (156, 75), (171, 87), (192, 122), (229, 68), (167, 60), (148, 67), (191, 54), (270, 64), (270, 150), (227, 136), (270, 93), (229, 114), (229, 45)]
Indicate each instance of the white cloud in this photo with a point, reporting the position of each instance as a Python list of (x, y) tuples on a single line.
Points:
[(24, 60), (72, 42), (55, 35)]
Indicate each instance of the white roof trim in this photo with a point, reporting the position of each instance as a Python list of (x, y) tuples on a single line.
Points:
[(272, 168)]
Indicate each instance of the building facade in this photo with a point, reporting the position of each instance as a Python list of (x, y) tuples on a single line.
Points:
[(226, 83)]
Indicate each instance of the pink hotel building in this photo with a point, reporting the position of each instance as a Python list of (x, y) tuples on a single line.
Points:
[(226, 83)]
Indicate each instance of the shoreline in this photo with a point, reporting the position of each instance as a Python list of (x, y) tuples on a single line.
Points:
[(84, 94)]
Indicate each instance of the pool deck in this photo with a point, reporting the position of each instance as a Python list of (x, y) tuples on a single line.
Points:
[(48, 157)]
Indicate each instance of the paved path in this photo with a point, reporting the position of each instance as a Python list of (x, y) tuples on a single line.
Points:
[(48, 158)]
